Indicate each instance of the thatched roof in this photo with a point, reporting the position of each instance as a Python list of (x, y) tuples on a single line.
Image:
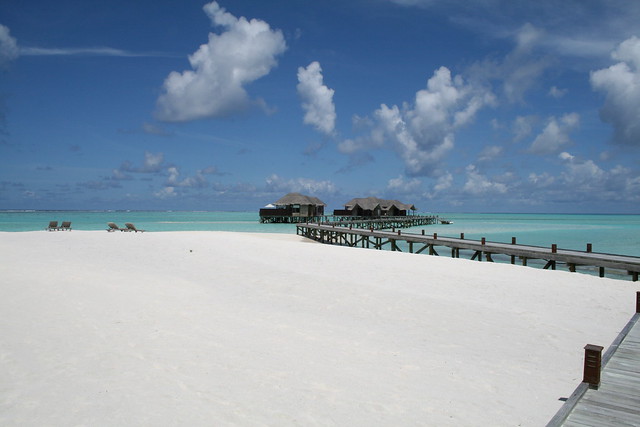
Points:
[(298, 199), (370, 203)]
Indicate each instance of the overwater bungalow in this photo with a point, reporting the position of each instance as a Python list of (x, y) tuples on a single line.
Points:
[(375, 207), (293, 208)]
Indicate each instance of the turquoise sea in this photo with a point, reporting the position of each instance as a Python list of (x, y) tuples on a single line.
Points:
[(618, 234)]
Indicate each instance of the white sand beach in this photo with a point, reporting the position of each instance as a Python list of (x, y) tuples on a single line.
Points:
[(215, 328)]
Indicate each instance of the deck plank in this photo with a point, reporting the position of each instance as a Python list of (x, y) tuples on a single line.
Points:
[(617, 401)]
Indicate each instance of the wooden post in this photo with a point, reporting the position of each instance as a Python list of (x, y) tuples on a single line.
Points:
[(435, 235), (423, 232), (601, 271), (589, 247), (462, 236), (638, 302), (554, 248), (484, 241), (399, 232), (513, 240), (592, 365)]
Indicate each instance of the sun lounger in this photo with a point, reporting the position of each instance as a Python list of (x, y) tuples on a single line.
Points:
[(53, 226), (114, 227), (66, 226), (131, 227)]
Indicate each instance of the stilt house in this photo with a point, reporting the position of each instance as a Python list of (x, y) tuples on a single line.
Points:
[(294, 207), (374, 207)]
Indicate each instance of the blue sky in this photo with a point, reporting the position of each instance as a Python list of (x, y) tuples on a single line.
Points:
[(456, 106)]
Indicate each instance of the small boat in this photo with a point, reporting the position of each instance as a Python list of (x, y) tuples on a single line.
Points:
[(444, 221)]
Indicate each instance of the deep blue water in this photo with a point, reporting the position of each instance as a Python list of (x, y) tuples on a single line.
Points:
[(618, 234)]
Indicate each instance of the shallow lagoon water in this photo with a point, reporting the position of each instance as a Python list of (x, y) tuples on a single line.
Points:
[(618, 234)]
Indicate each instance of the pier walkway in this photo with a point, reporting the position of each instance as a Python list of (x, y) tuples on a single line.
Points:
[(381, 223), (478, 249), (616, 399)]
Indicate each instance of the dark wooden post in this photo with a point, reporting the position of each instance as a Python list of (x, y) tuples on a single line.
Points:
[(399, 232), (484, 241), (638, 302), (589, 247), (462, 236), (435, 235), (513, 240), (554, 248), (423, 232), (592, 365)]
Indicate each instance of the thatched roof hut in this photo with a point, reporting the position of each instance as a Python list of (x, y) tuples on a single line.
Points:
[(298, 199), (293, 207), (373, 206)]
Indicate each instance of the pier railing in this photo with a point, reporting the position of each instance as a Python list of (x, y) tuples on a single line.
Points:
[(478, 249)]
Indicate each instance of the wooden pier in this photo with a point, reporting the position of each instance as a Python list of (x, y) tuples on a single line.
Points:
[(382, 223), (610, 392), (477, 249)]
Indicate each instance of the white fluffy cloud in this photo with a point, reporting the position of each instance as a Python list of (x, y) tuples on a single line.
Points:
[(317, 99), (555, 134), (276, 183), (245, 51), (402, 185), (8, 46), (489, 153), (554, 92), (197, 181), (423, 133), (152, 164), (621, 84), (478, 184)]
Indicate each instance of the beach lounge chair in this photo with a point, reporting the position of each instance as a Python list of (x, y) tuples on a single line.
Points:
[(66, 226), (114, 227), (131, 227), (53, 226)]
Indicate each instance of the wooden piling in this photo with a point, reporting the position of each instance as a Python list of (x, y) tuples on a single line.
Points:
[(592, 365)]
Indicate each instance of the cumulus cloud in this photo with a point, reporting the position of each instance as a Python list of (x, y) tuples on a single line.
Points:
[(166, 193), (582, 181), (317, 99), (555, 134), (153, 163), (401, 185), (197, 181), (584, 175), (245, 51), (8, 47), (479, 184), (276, 183), (489, 153), (621, 85), (554, 92), (423, 133)]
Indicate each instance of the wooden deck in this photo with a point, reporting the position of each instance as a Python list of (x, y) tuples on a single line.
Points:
[(381, 223), (477, 249), (616, 402)]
